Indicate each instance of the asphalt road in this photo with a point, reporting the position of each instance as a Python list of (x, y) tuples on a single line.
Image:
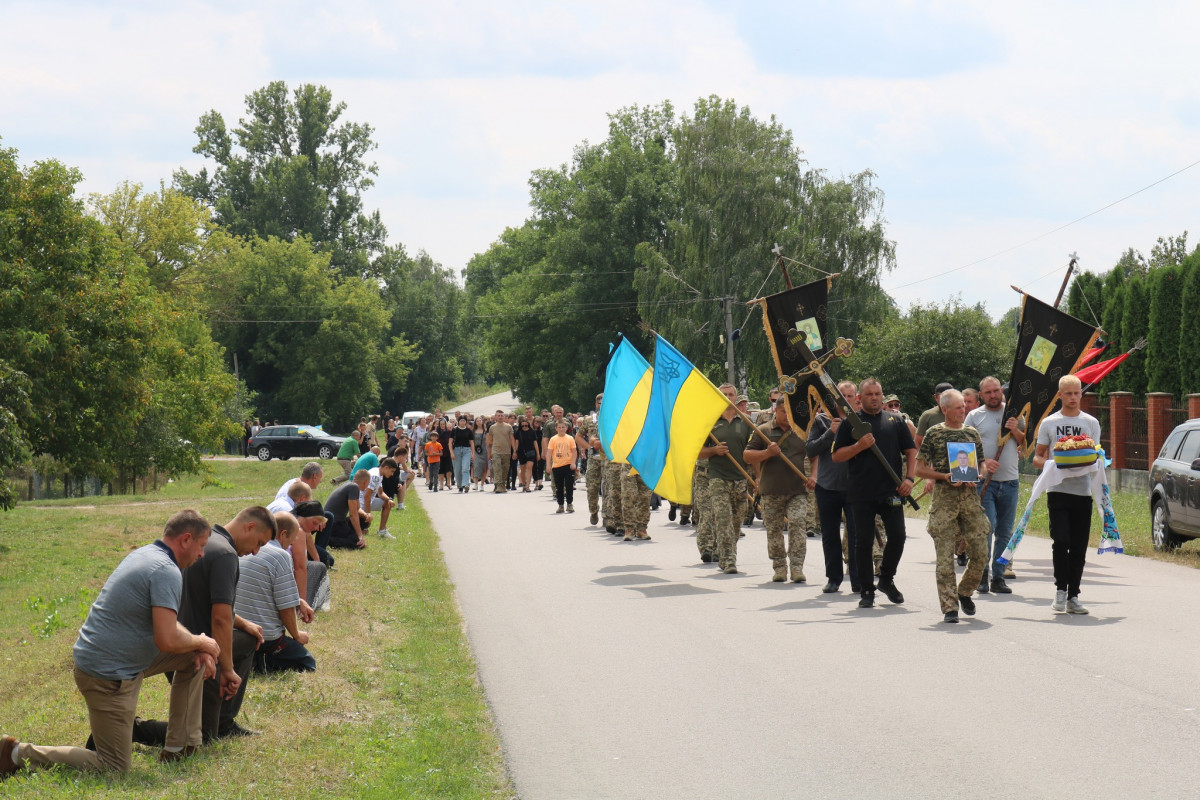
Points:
[(633, 670)]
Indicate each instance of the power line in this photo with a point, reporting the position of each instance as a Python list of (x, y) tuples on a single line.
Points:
[(1048, 233)]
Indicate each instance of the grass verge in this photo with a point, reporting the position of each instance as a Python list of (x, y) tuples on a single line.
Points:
[(394, 709)]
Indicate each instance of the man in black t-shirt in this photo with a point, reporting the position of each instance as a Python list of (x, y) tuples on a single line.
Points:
[(871, 491)]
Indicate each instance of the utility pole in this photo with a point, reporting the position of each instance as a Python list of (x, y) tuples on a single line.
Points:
[(729, 368)]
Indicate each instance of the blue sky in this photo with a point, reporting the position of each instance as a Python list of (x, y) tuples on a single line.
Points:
[(986, 124)]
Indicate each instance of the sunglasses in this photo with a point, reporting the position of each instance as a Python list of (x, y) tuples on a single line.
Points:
[(893, 405)]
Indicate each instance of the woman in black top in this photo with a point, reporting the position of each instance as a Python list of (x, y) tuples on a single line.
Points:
[(462, 440), (447, 464), (529, 450)]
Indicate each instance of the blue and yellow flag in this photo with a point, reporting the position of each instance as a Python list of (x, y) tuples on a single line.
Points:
[(682, 407), (626, 396)]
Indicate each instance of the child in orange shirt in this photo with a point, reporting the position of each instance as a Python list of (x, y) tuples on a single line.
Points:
[(433, 459), (563, 455)]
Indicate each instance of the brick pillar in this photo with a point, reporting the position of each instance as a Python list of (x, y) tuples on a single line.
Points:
[(1090, 403), (1158, 422), (1119, 405), (1193, 406)]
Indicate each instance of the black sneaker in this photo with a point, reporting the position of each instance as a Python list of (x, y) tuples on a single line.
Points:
[(951, 617), (983, 586), (889, 589), (671, 513), (866, 600), (962, 559), (1000, 587), (706, 558), (967, 605), (684, 521), (831, 587)]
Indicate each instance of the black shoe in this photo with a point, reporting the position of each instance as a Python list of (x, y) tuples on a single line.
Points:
[(831, 587), (854, 587), (1000, 587), (866, 600), (962, 559), (951, 616), (684, 521), (983, 586), (967, 605), (671, 513), (610, 529), (235, 730), (893, 594), (706, 558)]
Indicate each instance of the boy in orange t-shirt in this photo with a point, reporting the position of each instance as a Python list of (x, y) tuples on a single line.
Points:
[(433, 459), (563, 455)]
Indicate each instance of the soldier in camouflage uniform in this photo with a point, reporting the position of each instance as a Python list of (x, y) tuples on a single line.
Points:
[(612, 497), (635, 505), (726, 485), (705, 540), (784, 493), (587, 438), (956, 513)]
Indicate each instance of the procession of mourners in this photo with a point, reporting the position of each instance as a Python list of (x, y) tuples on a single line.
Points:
[(212, 605)]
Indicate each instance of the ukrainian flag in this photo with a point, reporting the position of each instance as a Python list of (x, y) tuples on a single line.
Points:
[(626, 396), (683, 405)]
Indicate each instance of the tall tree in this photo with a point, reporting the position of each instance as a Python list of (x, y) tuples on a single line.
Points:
[(1162, 350), (14, 407), (1189, 327), (1135, 325), (292, 168), (1085, 300)]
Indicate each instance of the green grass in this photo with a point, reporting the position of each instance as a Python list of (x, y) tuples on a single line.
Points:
[(394, 709), (1132, 510)]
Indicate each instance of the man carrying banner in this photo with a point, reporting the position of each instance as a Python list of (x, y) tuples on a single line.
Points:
[(833, 478), (871, 491), (784, 493), (999, 495), (956, 514), (726, 485)]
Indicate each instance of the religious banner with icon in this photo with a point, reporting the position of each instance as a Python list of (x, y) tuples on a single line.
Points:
[(1050, 344), (802, 310)]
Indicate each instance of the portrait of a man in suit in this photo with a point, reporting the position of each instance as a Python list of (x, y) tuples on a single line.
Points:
[(961, 469)]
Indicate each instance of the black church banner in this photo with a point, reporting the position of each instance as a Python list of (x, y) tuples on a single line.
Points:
[(1050, 344), (785, 315)]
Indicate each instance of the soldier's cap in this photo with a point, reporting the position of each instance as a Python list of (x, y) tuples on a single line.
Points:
[(753, 407), (891, 398), (741, 398), (944, 386)]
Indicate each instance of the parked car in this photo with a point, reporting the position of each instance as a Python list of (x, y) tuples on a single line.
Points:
[(285, 441), (1175, 488)]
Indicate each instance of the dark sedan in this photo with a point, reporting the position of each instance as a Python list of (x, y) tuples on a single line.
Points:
[(1175, 488), (285, 441)]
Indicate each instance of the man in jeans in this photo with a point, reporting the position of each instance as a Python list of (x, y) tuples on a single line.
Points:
[(132, 631), (1000, 496)]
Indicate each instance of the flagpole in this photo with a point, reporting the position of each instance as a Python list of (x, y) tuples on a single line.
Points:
[(799, 472), (740, 468)]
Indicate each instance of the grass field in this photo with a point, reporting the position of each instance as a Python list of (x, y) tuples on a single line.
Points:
[(394, 709)]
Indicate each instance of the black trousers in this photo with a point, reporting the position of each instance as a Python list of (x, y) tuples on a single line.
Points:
[(1070, 526), (863, 520), (830, 506), (218, 715), (564, 484)]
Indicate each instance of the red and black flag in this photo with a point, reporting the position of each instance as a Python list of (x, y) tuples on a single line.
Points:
[(1050, 344), (803, 309)]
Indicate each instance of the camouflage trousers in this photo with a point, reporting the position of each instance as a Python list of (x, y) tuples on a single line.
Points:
[(956, 516), (706, 542), (635, 502), (501, 462), (811, 523), (612, 495), (792, 508), (726, 505), (595, 476)]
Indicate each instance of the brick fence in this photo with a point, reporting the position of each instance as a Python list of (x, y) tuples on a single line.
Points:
[(1134, 434)]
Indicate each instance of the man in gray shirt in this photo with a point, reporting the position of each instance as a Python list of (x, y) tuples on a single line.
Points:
[(132, 631), (999, 496), (1070, 502)]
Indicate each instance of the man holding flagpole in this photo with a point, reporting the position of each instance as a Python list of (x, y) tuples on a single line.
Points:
[(726, 484)]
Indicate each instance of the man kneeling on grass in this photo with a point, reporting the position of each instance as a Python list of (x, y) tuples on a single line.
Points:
[(267, 596), (132, 631)]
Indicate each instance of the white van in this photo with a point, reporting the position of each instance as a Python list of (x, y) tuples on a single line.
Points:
[(412, 417)]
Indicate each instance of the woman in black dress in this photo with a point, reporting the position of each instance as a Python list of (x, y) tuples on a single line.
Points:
[(529, 450)]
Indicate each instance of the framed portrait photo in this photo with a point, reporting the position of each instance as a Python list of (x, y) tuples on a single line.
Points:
[(964, 462)]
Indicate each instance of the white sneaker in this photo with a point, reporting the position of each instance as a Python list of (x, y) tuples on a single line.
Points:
[(400, 507), (383, 534), (1075, 607), (1060, 600)]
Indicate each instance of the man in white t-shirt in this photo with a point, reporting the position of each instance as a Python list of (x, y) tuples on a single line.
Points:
[(312, 474), (298, 492), (373, 498), (1070, 502)]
